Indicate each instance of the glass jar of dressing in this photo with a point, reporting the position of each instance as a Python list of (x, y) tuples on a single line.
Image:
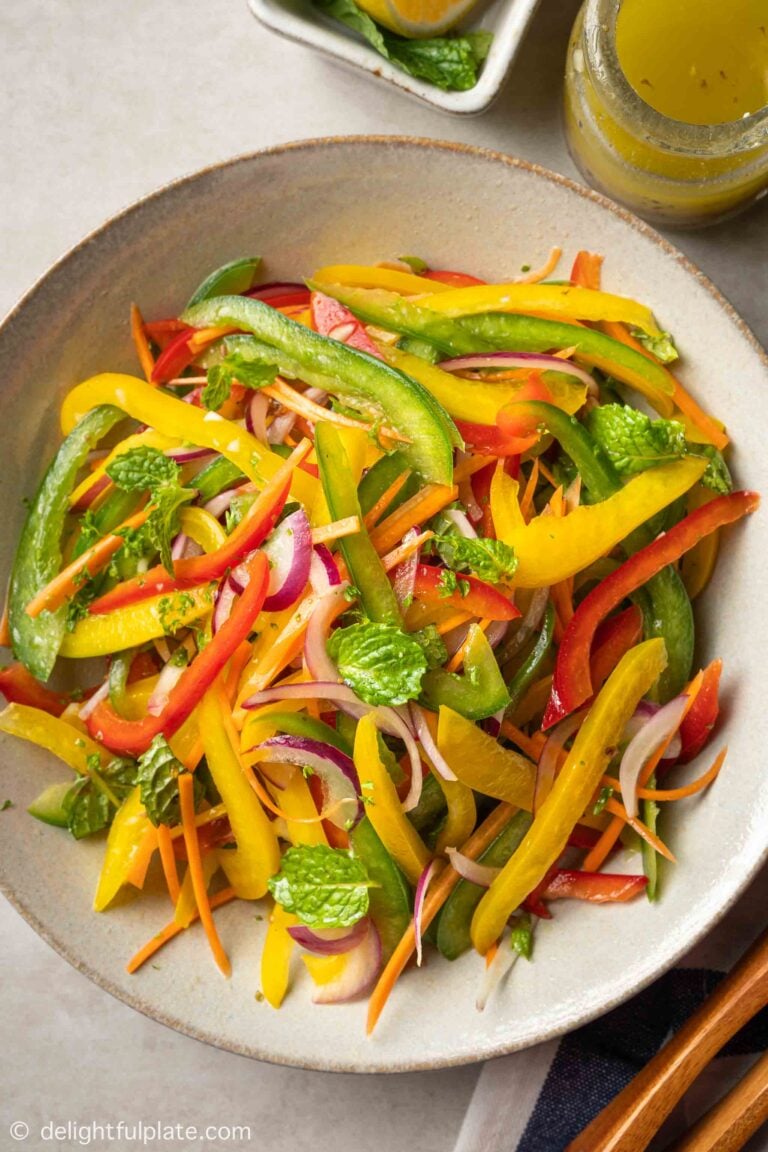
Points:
[(666, 105)]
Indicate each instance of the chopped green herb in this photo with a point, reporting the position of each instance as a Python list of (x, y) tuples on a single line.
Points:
[(324, 887), (382, 664)]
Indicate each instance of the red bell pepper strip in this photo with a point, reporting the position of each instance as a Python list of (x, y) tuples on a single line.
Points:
[(585, 272), (249, 534), (701, 717), (132, 737), (289, 300), (161, 331), (214, 834), (481, 599), (334, 320), (491, 440), (176, 356), (455, 279), (597, 887), (20, 687), (572, 681), (613, 638)]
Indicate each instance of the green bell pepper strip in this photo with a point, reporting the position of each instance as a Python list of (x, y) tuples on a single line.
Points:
[(479, 693), (117, 507), (430, 808), (649, 814), (664, 602), (508, 332), (215, 477), (403, 403), (378, 478), (229, 280), (592, 750), (390, 899), (529, 669), (298, 724), (362, 560), (453, 936), (36, 642)]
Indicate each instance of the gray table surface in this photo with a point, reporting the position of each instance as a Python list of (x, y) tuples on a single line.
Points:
[(102, 103)]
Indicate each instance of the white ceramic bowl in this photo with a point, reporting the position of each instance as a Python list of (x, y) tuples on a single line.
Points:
[(508, 20), (313, 203)]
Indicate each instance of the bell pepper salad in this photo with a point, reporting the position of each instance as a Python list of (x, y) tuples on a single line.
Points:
[(389, 577)]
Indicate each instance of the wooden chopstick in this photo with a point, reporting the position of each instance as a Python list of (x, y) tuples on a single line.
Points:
[(728, 1126), (631, 1120)]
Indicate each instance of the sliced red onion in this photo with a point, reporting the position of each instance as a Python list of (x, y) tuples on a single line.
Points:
[(335, 770), (496, 631), (275, 288), (359, 974), (184, 455), (502, 963), (654, 732), (280, 427), (572, 495), (256, 416), (460, 522), (404, 580), (330, 941), (481, 874), (323, 573), (222, 604), (418, 906), (454, 639), (94, 699), (319, 663), (219, 504), (534, 360), (546, 769), (316, 395), (178, 546), (434, 755), (527, 626), (167, 679), (289, 549), (644, 711), (467, 495), (88, 497)]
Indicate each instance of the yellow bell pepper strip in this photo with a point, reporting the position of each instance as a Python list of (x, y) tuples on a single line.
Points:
[(296, 801), (53, 734), (365, 276), (36, 642), (133, 737), (203, 528), (550, 549), (372, 386), (257, 856), (382, 804), (481, 763), (136, 624), (276, 957), (129, 831), (173, 417), (566, 300), (461, 816), (479, 401), (580, 775)]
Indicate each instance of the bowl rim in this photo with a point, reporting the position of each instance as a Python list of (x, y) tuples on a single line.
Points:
[(494, 156)]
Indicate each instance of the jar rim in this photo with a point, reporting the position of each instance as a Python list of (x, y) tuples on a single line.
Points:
[(706, 140)]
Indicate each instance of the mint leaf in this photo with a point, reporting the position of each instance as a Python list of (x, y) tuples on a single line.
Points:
[(717, 477), (234, 368), (163, 523), (449, 62), (632, 441), (662, 347), (87, 809), (145, 468), (158, 773), (432, 646), (491, 560), (238, 507), (379, 662), (324, 887), (449, 583)]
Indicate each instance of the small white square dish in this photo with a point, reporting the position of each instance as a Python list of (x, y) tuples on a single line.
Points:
[(508, 20)]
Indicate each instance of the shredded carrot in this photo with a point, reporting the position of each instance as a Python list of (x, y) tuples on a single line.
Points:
[(173, 929), (617, 809), (66, 583), (439, 891), (168, 861), (205, 336), (469, 465), (5, 630), (457, 659), (665, 794), (546, 473), (336, 530), (237, 663), (452, 622), (141, 344), (531, 745), (597, 855), (296, 401), (418, 510), (187, 804), (375, 513), (397, 555), (526, 503), (546, 269), (270, 804)]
